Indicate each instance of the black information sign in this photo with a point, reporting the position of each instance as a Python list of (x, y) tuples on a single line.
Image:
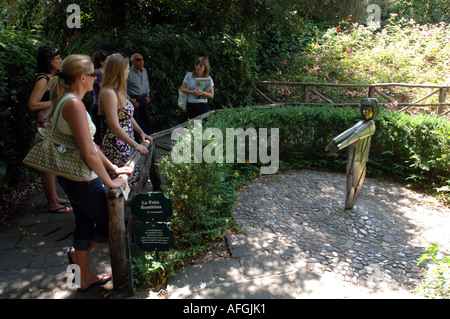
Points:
[(154, 236), (151, 207), (152, 210)]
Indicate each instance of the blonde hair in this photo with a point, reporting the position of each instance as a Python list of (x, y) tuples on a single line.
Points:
[(114, 78), (71, 68)]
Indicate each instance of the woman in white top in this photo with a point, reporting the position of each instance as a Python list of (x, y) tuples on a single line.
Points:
[(88, 199), (198, 96)]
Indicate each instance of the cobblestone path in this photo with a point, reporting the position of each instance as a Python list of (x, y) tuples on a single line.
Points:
[(300, 217)]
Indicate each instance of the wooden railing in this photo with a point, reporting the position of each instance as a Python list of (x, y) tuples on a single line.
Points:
[(116, 214), (372, 90)]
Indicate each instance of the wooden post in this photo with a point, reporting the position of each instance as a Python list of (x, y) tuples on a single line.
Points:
[(306, 94), (117, 229), (371, 93), (117, 239), (147, 167), (442, 97)]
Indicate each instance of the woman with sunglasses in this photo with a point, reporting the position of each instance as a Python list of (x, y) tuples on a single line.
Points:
[(88, 199), (48, 62)]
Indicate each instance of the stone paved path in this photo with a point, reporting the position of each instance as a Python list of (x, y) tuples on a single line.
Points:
[(299, 217), (297, 242)]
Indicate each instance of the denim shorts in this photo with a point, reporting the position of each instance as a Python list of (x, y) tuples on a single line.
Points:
[(89, 203)]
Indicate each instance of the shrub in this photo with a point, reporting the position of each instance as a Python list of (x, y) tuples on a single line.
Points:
[(17, 124), (400, 52), (202, 199), (403, 147), (415, 148), (436, 284)]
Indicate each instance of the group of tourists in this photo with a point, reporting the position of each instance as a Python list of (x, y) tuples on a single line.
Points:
[(106, 135)]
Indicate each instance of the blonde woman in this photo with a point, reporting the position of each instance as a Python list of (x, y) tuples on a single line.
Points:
[(88, 199), (119, 143)]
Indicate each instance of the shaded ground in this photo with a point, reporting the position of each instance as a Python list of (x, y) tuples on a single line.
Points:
[(296, 243)]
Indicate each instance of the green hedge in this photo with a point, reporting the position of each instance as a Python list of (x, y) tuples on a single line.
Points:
[(203, 195), (17, 124), (403, 147)]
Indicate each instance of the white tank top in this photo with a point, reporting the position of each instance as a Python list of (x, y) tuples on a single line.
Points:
[(64, 127), (62, 124)]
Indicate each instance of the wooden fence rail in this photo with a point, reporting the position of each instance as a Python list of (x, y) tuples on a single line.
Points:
[(307, 88), (116, 215)]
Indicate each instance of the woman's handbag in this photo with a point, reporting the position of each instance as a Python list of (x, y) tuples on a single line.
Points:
[(58, 154), (182, 98)]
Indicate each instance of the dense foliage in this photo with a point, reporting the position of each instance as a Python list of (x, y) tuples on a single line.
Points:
[(170, 53), (403, 51), (17, 72)]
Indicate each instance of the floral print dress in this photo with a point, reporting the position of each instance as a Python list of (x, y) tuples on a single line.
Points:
[(116, 150)]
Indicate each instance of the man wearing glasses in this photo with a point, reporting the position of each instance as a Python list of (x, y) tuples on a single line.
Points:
[(138, 89)]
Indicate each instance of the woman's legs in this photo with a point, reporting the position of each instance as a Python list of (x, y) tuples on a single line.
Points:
[(81, 258), (55, 204), (91, 224)]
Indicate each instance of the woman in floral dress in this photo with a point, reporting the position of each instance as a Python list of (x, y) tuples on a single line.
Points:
[(119, 143)]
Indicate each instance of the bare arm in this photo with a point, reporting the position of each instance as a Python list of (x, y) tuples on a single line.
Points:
[(109, 103), (209, 94), (74, 113), (184, 89), (34, 102), (138, 130)]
